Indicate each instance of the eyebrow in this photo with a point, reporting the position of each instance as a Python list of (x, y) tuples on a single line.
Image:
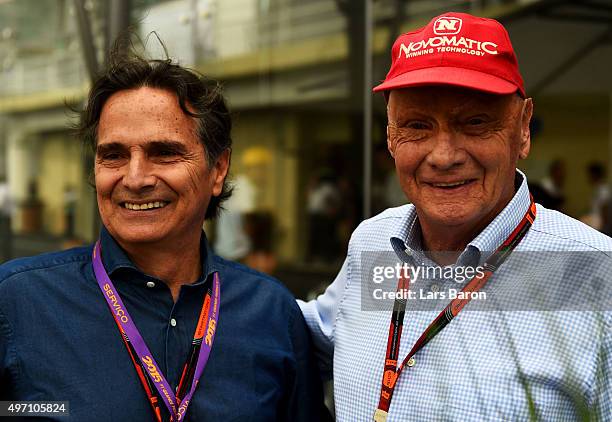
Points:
[(175, 146), (107, 147)]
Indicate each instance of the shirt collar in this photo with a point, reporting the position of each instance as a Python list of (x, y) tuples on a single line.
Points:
[(407, 240), (115, 258)]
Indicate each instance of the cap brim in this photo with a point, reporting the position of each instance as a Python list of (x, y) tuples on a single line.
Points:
[(456, 76)]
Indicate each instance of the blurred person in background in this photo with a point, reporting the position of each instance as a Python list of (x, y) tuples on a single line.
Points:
[(386, 190), (600, 198), (244, 232), (554, 184), (147, 323), (261, 229), (458, 123), (231, 240), (324, 206), (70, 205)]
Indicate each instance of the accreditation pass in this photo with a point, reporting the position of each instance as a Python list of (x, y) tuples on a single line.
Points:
[(34, 408)]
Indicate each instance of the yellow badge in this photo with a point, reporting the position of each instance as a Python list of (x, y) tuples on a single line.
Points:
[(380, 416)]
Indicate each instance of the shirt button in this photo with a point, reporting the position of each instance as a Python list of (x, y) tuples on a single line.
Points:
[(434, 288), (411, 362), (173, 322), (150, 284)]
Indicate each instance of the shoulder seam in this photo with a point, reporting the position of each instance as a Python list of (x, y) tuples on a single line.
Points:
[(378, 218), (42, 265), (243, 268), (607, 253)]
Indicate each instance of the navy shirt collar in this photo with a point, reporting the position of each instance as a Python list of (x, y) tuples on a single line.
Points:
[(116, 259)]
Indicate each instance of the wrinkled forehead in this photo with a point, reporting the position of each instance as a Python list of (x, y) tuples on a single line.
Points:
[(144, 112), (449, 99)]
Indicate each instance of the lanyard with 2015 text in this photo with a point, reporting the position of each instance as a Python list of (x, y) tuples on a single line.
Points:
[(147, 369), (391, 371)]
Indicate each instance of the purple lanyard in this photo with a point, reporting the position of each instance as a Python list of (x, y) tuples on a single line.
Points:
[(176, 408)]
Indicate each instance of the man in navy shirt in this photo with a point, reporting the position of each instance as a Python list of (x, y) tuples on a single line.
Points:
[(149, 324)]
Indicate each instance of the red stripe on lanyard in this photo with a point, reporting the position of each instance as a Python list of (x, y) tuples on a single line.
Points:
[(189, 368), (391, 372), (153, 400)]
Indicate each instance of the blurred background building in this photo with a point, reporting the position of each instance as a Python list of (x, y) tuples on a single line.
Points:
[(309, 158)]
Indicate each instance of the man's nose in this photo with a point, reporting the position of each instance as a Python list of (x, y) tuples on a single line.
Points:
[(447, 151), (138, 175)]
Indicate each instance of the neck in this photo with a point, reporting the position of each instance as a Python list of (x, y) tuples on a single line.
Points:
[(175, 265), (443, 245)]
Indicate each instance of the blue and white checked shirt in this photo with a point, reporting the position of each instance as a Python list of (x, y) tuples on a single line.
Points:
[(485, 365)]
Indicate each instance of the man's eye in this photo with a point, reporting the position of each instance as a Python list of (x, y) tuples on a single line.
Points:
[(110, 156), (417, 125), (165, 153), (476, 121)]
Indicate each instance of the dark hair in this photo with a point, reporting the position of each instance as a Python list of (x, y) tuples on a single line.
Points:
[(198, 97)]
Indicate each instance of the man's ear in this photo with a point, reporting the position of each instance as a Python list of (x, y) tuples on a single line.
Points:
[(525, 141), (219, 171), (390, 145)]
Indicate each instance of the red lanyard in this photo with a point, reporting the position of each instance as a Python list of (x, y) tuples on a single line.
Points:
[(391, 371)]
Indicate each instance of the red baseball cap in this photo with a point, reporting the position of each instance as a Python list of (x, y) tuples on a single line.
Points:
[(455, 49)]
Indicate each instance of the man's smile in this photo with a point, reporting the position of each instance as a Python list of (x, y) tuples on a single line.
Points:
[(451, 185), (145, 206)]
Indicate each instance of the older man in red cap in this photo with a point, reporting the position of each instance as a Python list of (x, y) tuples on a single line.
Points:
[(417, 349)]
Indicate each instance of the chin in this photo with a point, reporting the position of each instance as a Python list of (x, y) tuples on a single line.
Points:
[(452, 215), (136, 236)]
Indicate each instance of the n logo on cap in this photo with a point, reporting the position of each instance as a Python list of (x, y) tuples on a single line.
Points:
[(447, 26)]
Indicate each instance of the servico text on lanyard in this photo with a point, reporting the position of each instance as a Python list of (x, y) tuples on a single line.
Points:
[(391, 371), (151, 377)]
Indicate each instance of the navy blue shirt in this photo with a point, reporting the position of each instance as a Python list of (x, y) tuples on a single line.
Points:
[(58, 340)]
